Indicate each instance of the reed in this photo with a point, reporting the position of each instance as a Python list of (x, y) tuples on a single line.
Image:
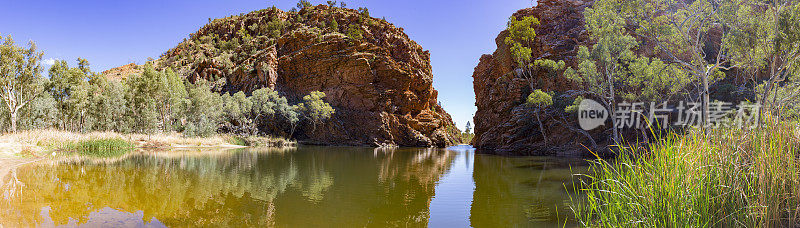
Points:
[(718, 178), (103, 147)]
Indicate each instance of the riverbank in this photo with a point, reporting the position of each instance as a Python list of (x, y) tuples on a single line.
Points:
[(20, 148), (720, 178)]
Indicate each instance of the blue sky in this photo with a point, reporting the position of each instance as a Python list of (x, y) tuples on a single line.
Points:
[(114, 33)]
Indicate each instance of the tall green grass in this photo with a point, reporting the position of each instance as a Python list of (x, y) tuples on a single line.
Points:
[(720, 178), (108, 147)]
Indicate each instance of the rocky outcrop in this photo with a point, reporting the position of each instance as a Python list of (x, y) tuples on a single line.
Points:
[(378, 80), (503, 125), (122, 72)]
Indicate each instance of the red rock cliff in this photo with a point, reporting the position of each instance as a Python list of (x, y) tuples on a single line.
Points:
[(378, 80), (503, 124)]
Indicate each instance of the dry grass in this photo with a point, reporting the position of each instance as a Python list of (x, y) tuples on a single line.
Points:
[(38, 142)]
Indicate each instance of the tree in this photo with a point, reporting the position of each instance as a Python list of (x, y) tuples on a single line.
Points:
[(205, 111), (172, 92), (334, 26), (519, 40), (315, 109), (108, 105), (468, 128), (41, 112), (19, 73), (303, 4), (142, 98), (364, 12), (540, 100), (611, 69), (272, 112), (769, 41), (236, 112), (696, 36), (331, 4), (70, 89)]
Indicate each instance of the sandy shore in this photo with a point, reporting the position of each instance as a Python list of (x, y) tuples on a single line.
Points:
[(21, 148), (7, 164)]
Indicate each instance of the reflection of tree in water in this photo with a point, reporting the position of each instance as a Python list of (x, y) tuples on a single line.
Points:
[(308, 187), (520, 192)]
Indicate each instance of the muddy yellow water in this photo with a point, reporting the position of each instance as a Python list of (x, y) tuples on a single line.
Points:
[(303, 187)]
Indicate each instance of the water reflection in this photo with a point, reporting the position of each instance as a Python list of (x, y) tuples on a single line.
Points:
[(306, 187), (314, 186), (511, 191)]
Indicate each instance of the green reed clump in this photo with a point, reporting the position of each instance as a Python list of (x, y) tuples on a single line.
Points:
[(237, 140), (108, 147), (720, 178)]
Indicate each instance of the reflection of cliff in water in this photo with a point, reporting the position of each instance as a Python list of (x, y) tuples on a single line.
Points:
[(313, 186), (522, 191)]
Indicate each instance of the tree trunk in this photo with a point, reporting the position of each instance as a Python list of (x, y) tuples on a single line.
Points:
[(612, 106), (541, 128), (706, 100), (13, 121)]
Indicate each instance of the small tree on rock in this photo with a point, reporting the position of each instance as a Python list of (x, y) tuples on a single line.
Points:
[(540, 100)]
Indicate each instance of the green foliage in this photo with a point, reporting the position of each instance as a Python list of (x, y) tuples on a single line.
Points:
[(236, 113), (315, 109), (539, 98), (333, 26), (20, 73), (610, 68), (110, 147), (364, 12), (40, 113), (276, 27), (109, 105), (205, 110), (354, 32), (520, 36), (273, 113), (302, 4)]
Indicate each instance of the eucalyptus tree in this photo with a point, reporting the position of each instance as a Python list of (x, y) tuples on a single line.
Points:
[(272, 112), (315, 109), (20, 73), (768, 41), (205, 110), (109, 105), (172, 92), (71, 90), (611, 69), (697, 36), (142, 99)]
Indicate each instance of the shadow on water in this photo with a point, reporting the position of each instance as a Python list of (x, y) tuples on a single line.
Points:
[(308, 186)]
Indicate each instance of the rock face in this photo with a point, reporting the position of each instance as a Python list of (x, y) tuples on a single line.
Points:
[(503, 125), (378, 80), (121, 72)]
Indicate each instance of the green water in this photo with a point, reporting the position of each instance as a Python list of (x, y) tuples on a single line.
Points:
[(303, 187)]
